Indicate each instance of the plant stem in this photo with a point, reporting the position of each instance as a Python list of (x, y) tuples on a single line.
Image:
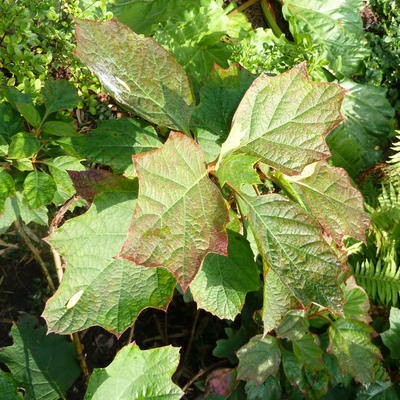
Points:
[(269, 15), (242, 7), (278, 178), (36, 254)]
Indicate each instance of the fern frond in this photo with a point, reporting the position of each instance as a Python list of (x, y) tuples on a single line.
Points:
[(393, 169), (381, 280)]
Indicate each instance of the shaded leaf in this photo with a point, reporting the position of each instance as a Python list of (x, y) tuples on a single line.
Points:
[(114, 142), (177, 227), (137, 374), (335, 25), (308, 352), (351, 344), (110, 295), (226, 348), (10, 121), (378, 391), (221, 285), (294, 326), (259, 359), (8, 387), (149, 80), (59, 95), (221, 382), (89, 183), (59, 128), (43, 365), (357, 143), (23, 145), (269, 390), (335, 203), (282, 120), (39, 188), (291, 241), (7, 188), (391, 337)]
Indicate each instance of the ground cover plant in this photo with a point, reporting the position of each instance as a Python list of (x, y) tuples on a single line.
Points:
[(235, 234)]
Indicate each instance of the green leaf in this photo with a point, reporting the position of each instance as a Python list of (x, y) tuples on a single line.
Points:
[(269, 390), (200, 41), (282, 120), (59, 95), (137, 374), (8, 387), (378, 391), (178, 226), (221, 285), (333, 201), (114, 142), (3, 146), (10, 120), (7, 188), (227, 348), (58, 169), (391, 337), (357, 143), (294, 326), (43, 365), (238, 169), (356, 302), (23, 104), (308, 352), (23, 164), (106, 290), (219, 98), (290, 241), (59, 128), (39, 189), (23, 145), (335, 25), (149, 81), (259, 359), (351, 344)]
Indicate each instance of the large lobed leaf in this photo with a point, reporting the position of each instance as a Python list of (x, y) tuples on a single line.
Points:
[(181, 215), (291, 243), (282, 120), (96, 288), (137, 72), (137, 374)]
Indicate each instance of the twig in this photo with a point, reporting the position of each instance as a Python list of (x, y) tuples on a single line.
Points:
[(256, 190), (80, 356), (36, 254), (269, 14), (242, 7)]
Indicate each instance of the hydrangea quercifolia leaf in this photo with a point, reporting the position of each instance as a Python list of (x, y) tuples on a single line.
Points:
[(176, 227), (137, 72), (96, 288), (335, 203), (282, 120)]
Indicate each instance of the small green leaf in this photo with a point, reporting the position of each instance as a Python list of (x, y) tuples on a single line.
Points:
[(221, 285), (8, 387), (227, 348), (59, 95), (23, 104), (114, 142), (282, 120), (23, 145), (175, 228), (149, 81), (137, 374), (238, 169), (3, 146), (269, 390), (59, 128), (10, 121), (308, 352), (334, 202), (350, 342), (23, 164), (43, 365), (391, 337), (7, 188), (39, 189), (259, 359), (356, 302), (294, 326)]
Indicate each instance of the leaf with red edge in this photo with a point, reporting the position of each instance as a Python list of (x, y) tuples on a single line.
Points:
[(283, 120), (336, 204), (89, 183), (181, 215)]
